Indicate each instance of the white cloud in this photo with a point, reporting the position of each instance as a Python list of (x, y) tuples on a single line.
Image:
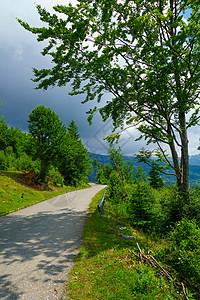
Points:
[(10, 31), (18, 53)]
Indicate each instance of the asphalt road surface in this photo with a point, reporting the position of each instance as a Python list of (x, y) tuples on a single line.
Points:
[(38, 245)]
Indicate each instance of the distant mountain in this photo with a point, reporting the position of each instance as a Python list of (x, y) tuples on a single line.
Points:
[(194, 168), (195, 160)]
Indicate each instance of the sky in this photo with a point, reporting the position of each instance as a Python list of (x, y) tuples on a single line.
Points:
[(19, 53)]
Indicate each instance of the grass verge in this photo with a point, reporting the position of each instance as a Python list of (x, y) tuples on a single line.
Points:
[(15, 196), (106, 267)]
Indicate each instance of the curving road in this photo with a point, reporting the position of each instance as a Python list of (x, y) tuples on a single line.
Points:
[(38, 245)]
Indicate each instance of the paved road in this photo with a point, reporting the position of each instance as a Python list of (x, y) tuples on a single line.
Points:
[(38, 245)]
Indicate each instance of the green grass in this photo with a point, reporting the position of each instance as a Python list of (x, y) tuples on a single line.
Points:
[(106, 268), (15, 196)]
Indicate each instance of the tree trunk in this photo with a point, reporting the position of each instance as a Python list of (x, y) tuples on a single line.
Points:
[(43, 171), (181, 168), (176, 164), (185, 182)]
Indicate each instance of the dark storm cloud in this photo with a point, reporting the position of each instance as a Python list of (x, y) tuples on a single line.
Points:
[(19, 97), (19, 53)]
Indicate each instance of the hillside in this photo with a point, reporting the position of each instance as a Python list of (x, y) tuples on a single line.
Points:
[(17, 192), (194, 168)]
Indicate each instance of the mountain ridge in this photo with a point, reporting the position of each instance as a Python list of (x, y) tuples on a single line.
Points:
[(194, 167)]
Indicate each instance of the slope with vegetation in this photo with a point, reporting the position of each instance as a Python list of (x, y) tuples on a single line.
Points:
[(49, 151), (47, 161), (160, 256), (18, 191)]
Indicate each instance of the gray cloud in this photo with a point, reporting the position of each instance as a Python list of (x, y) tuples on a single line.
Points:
[(19, 52)]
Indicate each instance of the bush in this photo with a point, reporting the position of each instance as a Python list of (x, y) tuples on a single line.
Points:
[(55, 177), (143, 209), (183, 252), (191, 210), (3, 161), (10, 156), (25, 162), (116, 192), (7, 158), (172, 206)]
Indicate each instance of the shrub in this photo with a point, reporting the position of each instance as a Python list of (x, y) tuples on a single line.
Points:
[(116, 191), (191, 210), (10, 156), (55, 177), (183, 251), (172, 206), (154, 176), (25, 162), (142, 209), (3, 161)]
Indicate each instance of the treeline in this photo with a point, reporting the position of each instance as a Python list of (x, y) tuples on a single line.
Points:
[(50, 149), (126, 169), (146, 203)]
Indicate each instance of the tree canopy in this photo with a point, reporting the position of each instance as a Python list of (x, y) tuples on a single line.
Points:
[(144, 53), (49, 151), (47, 132), (74, 162)]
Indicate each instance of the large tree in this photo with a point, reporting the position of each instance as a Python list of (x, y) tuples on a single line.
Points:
[(47, 133), (74, 161), (144, 53)]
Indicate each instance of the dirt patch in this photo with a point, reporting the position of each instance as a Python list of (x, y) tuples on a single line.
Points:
[(30, 179)]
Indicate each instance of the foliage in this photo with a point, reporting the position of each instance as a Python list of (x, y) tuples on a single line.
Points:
[(48, 146), (100, 174), (73, 161), (3, 161), (130, 195), (3, 133), (11, 137), (7, 158), (173, 208), (55, 177), (17, 140), (47, 131), (116, 190), (191, 210), (156, 212), (73, 131), (25, 162), (12, 141), (154, 176), (144, 53), (183, 252), (125, 169), (143, 211), (106, 268), (15, 196)]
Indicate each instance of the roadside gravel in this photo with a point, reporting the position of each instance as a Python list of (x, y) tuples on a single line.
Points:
[(38, 245)]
